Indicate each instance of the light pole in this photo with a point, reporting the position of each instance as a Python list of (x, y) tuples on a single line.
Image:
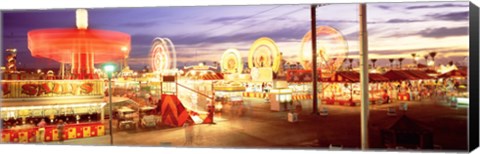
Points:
[(364, 76), (109, 69)]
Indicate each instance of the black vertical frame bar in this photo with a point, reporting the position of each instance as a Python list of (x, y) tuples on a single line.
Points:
[(473, 116), (313, 13)]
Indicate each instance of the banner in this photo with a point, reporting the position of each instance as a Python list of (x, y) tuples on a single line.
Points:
[(51, 88)]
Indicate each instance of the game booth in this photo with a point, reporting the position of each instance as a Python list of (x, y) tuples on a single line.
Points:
[(457, 90), (411, 82), (78, 103), (228, 93), (343, 88), (300, 81)]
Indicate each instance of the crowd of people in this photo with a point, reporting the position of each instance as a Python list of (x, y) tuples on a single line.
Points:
[(418, 90)]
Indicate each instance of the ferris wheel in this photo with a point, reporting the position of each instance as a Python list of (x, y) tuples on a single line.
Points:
[(264, 53), (332, 50), (231, 61), (163, 55)]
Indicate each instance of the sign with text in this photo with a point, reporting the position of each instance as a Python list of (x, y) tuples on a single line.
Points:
[(51, 88)]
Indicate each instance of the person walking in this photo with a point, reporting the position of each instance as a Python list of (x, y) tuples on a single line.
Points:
[(60, 129), (41, 131), (188, 132)]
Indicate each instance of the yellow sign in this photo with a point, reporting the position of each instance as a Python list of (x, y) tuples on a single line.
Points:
[(51, 88)]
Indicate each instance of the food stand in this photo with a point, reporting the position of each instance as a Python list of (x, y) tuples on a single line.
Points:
[(457, 85), (228, 92), (343, 88), (280, 96), (280, 99), (300, 81), (79, 103)]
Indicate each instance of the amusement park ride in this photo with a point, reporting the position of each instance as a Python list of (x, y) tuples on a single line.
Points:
[(81, 46), (190, 95)]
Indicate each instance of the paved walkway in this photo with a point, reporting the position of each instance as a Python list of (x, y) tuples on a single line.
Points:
[(261, 128)]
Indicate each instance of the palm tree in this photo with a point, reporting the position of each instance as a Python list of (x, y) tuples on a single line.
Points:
[(373, 62), (433, 54), (414, 60), (426, 59), (400, 61), (351, 62), (391, 62), (450, 63)]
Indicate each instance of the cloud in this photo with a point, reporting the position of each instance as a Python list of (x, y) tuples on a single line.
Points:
[(443, 55), (227, 20), (140, 24), (290, 33), (38, 19), (450, 5), (454, 16), (385, 7), (395, 21), (443, 32), (337, 21)]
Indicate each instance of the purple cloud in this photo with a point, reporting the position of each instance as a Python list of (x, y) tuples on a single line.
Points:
[(444, 32), (403, 21), (454, 16), (228, 20), (450, 5), (441, 32), (385, 7)]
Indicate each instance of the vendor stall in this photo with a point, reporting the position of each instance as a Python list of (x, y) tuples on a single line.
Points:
[(78, 103), (280, 96), (228, 92), (300, 81)]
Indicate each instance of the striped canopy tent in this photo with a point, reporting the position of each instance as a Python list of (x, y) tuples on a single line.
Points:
[(353, 77), (422, 75), (204, 75), (399, 75), (300, 76), (454, 74), (431, 73), (422, 66)]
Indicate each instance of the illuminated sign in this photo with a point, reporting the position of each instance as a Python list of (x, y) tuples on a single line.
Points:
[(169, 78), (42, 88)]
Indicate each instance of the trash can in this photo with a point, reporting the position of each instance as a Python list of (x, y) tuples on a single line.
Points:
[(292, 117)]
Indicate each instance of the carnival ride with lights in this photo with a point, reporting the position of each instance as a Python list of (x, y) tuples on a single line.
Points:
[(78, 101), (331, 53), (332, 50), (82, 47), (179, 93), (163, 56), (231, 62)]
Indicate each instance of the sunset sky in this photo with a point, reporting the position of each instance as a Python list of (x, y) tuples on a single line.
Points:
[(204, 33)]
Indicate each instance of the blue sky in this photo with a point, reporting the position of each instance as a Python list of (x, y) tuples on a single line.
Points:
[(204, 33)]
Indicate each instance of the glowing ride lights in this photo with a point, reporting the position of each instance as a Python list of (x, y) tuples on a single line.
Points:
[(163, 55), (264, 53), (82, 47), (109, 69), (331, 51), (231, 61)]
